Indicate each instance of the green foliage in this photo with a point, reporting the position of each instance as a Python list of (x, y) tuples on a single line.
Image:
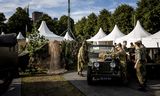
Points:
[(148, 13), (18, 21), (35, 42), (104, 20), (63, 23), (123, 18), (90, 27), (69, 54), (35, 49), (2, 24), (2, 18), (79, 29)]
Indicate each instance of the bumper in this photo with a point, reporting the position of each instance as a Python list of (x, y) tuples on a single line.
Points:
[(106, 76)]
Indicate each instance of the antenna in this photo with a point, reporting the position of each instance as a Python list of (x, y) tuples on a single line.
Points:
[(69, 24), (69, 14)]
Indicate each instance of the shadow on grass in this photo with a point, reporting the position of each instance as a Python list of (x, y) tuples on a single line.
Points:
[(43, 85)]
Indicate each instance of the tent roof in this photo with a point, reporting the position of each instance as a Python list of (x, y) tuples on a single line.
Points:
[(116, 33), (154, 36), (20, 36), (68, 37), (152, 40), (99, 35), (2, 33), (135, 35), (44, 31)]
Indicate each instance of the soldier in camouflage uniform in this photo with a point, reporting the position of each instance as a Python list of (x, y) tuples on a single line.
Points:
[(81, 58), (140, 65), (124, 46), (122, 57)]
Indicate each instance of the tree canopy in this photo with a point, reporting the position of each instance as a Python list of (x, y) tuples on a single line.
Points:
[(148, 12), (91, 24), (122, 16), (63, 24), (2, 24), (79, 28), (18, 22), (104, 20)]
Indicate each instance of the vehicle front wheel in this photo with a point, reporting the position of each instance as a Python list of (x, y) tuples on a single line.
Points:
[(89, 76)]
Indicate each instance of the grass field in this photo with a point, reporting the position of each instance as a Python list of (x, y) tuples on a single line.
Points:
[(42, 85)]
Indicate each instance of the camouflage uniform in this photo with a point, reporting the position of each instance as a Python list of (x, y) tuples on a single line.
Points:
[(81, 59), (140, 69), (122, 56)]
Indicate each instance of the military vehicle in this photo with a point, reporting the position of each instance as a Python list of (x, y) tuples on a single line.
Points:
[(103, 65), (8, 60)]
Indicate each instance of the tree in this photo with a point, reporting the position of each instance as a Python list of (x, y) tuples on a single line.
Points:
[(90, 27), (2, 24), (104, 20), (18, 22), (63, 24), (148, 13), (79, 28), (122, 16)]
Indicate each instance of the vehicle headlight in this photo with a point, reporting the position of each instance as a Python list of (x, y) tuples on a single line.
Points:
[(96, 64), (112, 64)]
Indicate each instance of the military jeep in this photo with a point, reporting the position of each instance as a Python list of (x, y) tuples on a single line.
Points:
[(8, 60), (103, 65)]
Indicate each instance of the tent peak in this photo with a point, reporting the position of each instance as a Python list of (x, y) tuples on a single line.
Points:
[(68, 37), (44, 31), (116, 33), (100, 34), (20, 36)]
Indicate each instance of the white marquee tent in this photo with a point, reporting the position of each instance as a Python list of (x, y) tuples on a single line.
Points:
[(68, 37), (135, 35), (20, 36), (44, 31), (116, 33), (152, 41), (99, 35), (2, 33)]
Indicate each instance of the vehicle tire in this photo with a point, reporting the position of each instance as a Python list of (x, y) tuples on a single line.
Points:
[(5, 81), (89, 76)]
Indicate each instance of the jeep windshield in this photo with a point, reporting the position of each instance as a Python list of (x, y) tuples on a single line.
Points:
[(97, 52)]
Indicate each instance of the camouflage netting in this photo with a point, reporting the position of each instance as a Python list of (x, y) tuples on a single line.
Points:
[(54, 51)]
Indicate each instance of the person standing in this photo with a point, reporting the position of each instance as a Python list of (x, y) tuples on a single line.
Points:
[(124, 46), (81, 58), (140, 65), (121, 53), (131, 45)]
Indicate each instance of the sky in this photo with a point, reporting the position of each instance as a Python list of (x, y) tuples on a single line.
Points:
[(57, 8)]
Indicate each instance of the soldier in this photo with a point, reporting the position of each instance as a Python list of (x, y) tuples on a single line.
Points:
[(144, 52), (122, 56), (81, 58), (125, 46), (140, 65), (131, 45)]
